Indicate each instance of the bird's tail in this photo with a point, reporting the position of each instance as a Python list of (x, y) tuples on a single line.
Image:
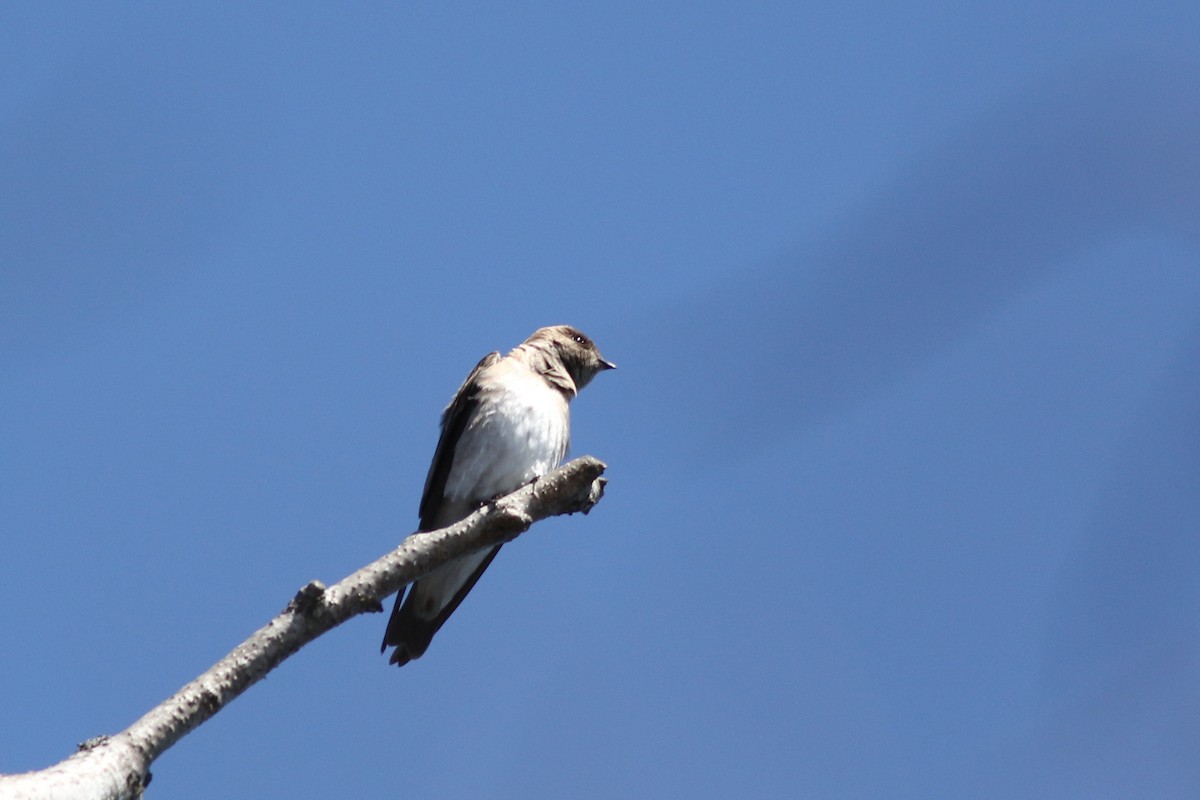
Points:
[(429, 603)]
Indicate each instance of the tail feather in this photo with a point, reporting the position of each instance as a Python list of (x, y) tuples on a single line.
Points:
[(429, 603)]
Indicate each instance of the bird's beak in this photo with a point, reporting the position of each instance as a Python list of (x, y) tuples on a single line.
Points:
[(607, 364)]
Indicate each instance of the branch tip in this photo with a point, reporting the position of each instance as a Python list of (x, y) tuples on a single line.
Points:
[(595, 492)]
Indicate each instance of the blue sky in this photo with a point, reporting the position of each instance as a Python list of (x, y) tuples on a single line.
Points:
[(903, 449)]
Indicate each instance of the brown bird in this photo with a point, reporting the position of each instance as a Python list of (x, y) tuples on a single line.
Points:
[(508, 424)]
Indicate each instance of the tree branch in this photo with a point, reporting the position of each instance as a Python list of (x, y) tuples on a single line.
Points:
[(119, 766)]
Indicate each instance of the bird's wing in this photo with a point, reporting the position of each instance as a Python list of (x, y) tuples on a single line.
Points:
[(454, 421), (434, 598)]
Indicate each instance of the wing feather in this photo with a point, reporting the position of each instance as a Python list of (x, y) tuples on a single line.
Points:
[(408, 630)]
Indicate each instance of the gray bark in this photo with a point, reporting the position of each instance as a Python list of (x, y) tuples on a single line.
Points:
[(118, 766)]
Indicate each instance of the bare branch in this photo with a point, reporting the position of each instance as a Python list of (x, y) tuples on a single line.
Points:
[(119, 766)]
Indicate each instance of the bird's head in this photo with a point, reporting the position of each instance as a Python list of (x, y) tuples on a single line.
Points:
[(578, 353)]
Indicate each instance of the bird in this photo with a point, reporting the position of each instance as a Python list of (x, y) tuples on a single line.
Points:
[(507, 425)]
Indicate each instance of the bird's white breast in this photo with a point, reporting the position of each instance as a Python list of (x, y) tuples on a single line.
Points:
[(519, 431)]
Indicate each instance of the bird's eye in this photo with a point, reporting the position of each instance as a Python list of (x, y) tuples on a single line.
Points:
[(580, 338)]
